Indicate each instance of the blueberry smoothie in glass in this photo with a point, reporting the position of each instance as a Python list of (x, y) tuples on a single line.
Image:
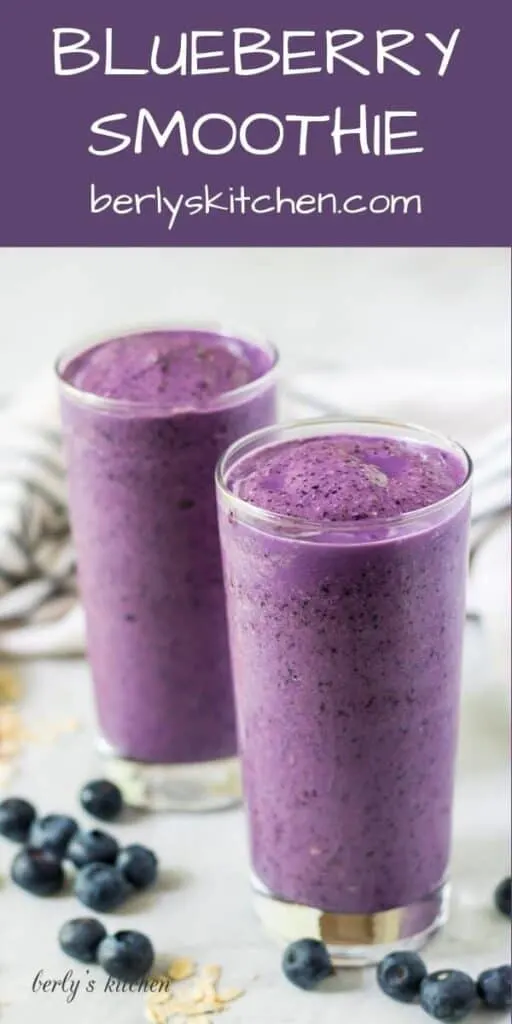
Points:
[(145, 418), (345, 558)]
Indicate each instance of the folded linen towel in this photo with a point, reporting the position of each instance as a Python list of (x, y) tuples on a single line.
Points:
[(39, 611)]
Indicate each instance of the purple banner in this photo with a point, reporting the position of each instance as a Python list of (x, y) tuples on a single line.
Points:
[(156, 123)]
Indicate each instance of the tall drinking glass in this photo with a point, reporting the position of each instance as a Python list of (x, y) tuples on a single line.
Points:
[(345, 552), (145, 418)]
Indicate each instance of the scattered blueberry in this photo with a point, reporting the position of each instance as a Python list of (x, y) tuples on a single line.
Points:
[(81, 937), (91, 847), (502, 896), (139, 865), (400, 975), (101, 887), (53, 833), (16, 819), (306, 963), (37, 871), (495, 987), (102, 799), (448, 995), (126, 956)]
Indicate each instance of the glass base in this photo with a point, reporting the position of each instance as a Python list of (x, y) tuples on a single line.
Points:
[(353, 940), (209, 786)]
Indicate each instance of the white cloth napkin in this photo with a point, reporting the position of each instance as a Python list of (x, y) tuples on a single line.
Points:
[(466, 408), (40, 613)]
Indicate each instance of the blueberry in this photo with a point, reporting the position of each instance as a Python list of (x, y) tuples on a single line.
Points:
[(53, 833), (126, 956), (37, 871), (400, 975), (502, 895), (101, 887), (138, 865), (91, 847), (102, 799), (448, 995), (81, 937), (16, 818), (306, 963), (495, 987)]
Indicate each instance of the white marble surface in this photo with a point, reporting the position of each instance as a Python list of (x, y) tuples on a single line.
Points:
[(203, 909), (420, 308)]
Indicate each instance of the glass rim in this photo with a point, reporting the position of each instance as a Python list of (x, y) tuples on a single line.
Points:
[(129, 405), (257, 513)]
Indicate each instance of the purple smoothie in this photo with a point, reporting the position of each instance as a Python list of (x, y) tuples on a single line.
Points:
[(145, 420), (346, 616)]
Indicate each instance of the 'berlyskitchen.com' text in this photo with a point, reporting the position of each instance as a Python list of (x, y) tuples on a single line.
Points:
[(240, 202)]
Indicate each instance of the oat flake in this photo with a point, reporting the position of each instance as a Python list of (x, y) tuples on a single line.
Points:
[(181, 969), (192, 1004)]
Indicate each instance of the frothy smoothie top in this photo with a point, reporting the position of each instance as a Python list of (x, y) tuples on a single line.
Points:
[(343, 478), (172, 367)]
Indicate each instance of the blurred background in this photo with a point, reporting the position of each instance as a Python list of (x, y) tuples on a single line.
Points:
[(421, 309)]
